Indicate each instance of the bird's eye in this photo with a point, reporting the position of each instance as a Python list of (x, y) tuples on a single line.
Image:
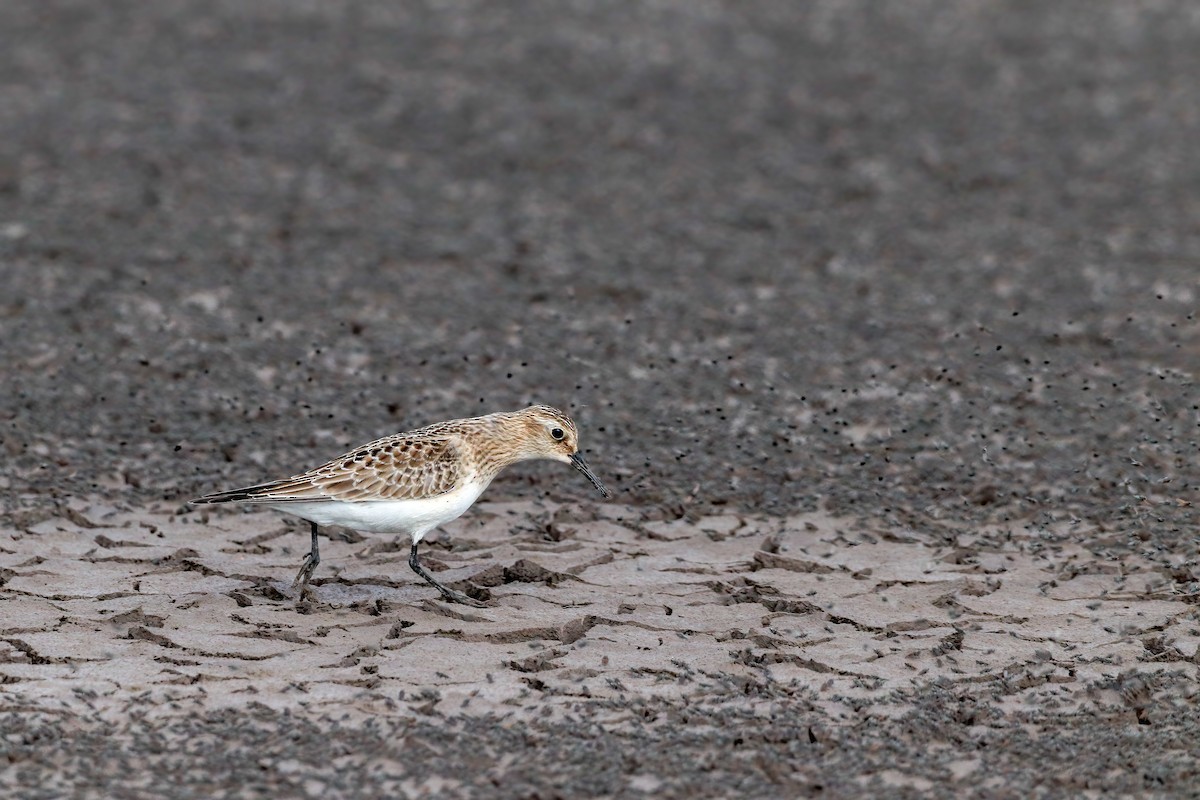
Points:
[(558, 434)]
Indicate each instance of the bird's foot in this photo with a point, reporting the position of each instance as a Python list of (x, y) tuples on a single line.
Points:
[(458, 597), (300, 585)]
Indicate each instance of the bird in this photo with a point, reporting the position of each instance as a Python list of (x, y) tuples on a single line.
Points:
[(412, 482)]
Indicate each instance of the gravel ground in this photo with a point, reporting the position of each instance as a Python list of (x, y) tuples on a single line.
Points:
[(926, 269)]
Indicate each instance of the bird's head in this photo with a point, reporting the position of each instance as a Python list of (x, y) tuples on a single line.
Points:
[(550, 434)]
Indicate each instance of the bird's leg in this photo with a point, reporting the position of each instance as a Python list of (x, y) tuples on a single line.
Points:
[(447, 592), (310, 564)]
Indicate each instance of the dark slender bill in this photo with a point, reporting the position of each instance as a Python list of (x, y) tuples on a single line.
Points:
[(582, 466)]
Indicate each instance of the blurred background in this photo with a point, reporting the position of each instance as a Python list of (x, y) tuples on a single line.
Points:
[(928, 263)]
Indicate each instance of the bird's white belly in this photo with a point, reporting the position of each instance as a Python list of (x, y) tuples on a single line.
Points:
[(414, 517)]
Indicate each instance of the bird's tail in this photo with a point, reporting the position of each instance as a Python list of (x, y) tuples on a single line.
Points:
[(289, 489), (246, 494)]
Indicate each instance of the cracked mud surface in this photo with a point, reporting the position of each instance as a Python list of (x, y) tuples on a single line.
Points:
[(879, 320), (669, 640)]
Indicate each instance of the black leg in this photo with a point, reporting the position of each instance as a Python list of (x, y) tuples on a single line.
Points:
[(310, 564), (448, 593)]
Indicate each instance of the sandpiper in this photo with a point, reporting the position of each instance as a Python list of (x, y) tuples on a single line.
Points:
[(415, 481)]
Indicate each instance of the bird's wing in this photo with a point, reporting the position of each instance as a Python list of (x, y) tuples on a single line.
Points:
[(400, 467)]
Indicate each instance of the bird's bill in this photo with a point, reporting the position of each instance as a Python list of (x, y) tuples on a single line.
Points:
[(582, 466)]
